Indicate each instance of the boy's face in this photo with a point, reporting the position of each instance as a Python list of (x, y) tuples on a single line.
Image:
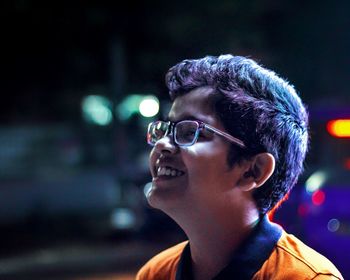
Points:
[(202, 176)]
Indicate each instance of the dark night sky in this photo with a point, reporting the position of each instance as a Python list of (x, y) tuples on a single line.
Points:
[(53, 55)]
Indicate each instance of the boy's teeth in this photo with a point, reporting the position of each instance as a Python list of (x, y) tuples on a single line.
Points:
[(168, 172)]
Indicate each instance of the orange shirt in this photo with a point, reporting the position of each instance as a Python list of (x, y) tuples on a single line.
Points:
[(268, 253), (163, 266)]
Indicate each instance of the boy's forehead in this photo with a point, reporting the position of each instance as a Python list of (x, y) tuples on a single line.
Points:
[(198, 97), (193, 104)]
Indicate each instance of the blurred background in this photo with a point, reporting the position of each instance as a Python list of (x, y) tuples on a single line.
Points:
[(80, 82)]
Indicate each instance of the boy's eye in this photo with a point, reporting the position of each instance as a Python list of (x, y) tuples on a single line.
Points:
[(188, 134)]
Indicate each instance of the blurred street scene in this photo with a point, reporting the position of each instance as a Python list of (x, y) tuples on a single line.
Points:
[(82, 81)]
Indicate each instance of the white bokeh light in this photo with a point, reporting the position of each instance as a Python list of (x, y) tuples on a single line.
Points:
[(149, 106), (315, 181)]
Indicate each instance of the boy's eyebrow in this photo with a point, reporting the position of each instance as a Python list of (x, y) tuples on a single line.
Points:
[(191, 118)]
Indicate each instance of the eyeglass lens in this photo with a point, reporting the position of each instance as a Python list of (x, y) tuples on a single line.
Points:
[(156, 131), (185, 132)]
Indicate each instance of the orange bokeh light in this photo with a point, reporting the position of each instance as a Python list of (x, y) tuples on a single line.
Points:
[(339, 128)]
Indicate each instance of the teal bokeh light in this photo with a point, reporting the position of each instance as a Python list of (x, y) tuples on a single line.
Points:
[(97, 110)]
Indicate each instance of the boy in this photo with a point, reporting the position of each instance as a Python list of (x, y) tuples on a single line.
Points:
[(232, 148)]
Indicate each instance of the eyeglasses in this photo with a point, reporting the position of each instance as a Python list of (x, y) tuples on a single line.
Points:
[(184, 133)]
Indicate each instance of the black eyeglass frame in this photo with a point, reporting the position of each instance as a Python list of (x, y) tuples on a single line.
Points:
[(171, 127)]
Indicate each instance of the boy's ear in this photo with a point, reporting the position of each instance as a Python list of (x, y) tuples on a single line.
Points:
[(257, 171)]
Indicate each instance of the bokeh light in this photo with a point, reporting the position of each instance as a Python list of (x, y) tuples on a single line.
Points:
[(315, 181), (318, 198), (339, 128), (333, 225), (149, 106), (97, 110)]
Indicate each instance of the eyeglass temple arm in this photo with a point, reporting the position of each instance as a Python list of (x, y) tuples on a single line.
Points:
[(226, 135)]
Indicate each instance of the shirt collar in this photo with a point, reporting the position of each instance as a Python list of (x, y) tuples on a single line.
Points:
[(246, 260)]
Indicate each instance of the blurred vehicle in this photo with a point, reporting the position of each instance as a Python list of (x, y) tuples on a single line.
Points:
[(90, 201), (318, 208), (325, 213), (47, 190)]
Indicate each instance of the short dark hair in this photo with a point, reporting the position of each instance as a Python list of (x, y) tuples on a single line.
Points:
[(254, 105)]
